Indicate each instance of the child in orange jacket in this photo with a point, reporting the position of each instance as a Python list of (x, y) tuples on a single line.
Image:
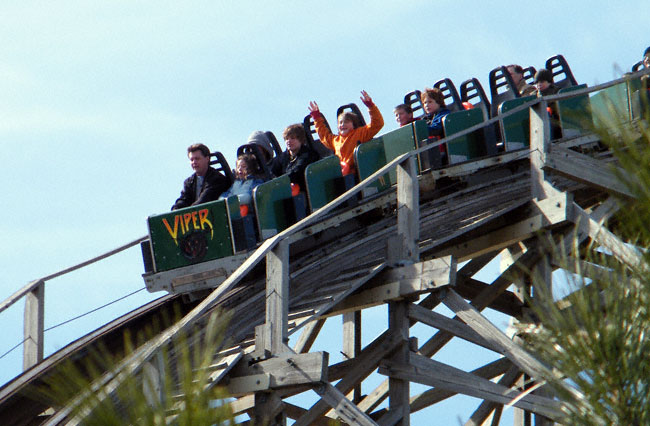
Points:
[(350, 131)]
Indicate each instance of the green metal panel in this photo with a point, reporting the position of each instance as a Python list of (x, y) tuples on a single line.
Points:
[(575, 113), (466, 147), (610, 107), (269, 199), (323, 180), (421, 132), (190, 235), (370, 157), (396, 143), (516, 128)]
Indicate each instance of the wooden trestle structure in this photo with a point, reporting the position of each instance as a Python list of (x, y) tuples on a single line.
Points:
[(401, 249)]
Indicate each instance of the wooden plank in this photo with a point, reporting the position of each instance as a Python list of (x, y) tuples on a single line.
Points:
[(496, 240), (402, 282), (435, 395), (481, 414), (343, 406), (584, 169), (33, 326), (281, 371), (599, 233), (441, 322), (308, 336), (277, 296), (433, 373)]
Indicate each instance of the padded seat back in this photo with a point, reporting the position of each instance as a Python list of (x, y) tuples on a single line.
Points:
[(312, 137), (562, 75), (351, 108), (471, 91), (414, 100), (217, 159), (529, 75), (502, 88), (452, 98)]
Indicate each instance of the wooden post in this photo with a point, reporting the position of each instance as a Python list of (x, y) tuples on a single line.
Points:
[(34, 321), (352, 342), (540, 140), (268, 409), (408, 208), (399, 389), (277, 297)]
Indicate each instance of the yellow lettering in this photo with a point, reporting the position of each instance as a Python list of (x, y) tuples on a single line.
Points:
[(174, 233), (203, 220), (187, 218), (195, 215)]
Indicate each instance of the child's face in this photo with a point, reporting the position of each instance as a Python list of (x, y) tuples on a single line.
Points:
[(242, 169), (402, 117), (430, 106), (345, 126), (293, 144), (542, 85)]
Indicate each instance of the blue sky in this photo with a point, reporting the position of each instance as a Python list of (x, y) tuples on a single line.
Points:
[(99, 100)]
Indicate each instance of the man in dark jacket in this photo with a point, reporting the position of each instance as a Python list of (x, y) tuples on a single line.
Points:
[(295, 159), (206, 184)]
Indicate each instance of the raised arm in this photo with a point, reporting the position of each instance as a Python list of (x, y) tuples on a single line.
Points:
[(324, 133)]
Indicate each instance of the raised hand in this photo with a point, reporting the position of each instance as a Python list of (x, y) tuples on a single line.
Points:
[(366, 99), (313, 107)]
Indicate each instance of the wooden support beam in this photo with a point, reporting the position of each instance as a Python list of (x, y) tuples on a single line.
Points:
[(440, 339), (281, 371), (449, 325), (33, 327), (398, 388), (484, 327), (366, 363), (540, 140), (486, 408), (401, 282), (587, 170), (408, 208), (623, 252), (435, 395), (308, 336), (277, 299), (352, 343), (345, 409), (268, 409), (433, 373)]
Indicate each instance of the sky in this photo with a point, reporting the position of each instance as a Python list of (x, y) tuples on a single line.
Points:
[(99, 101)]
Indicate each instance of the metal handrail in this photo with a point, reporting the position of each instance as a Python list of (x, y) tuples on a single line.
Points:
[(35, 283)]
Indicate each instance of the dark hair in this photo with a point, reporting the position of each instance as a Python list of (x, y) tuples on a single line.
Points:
[(405, 107), (543, 74), (295, 130), (435, 94), (517, 68), (348, 115), (199, 147)]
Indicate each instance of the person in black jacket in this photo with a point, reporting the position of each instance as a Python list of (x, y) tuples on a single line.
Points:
[(206, 184), (296, 157)]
